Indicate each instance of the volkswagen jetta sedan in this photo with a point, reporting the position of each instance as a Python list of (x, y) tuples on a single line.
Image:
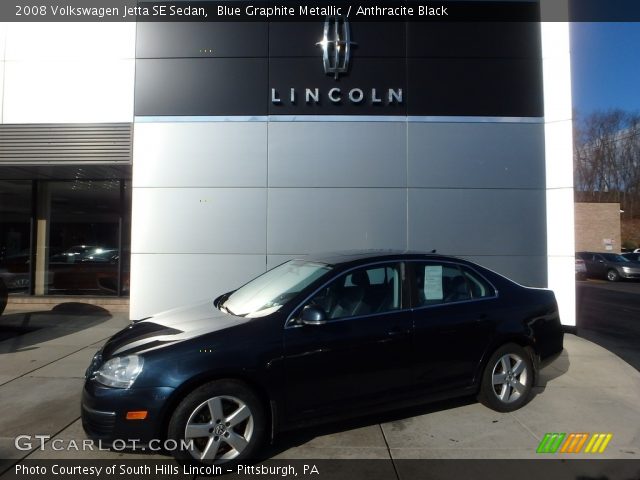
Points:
[(316, 339)]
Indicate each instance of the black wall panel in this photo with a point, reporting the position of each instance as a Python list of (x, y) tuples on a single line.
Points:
[(443, 69), (475, 87), (201, 40), (211, 86), (478, 39)]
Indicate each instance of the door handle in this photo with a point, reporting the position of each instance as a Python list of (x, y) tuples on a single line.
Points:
[(482, 317)]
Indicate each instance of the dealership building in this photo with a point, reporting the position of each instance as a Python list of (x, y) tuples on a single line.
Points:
[(171, 162)]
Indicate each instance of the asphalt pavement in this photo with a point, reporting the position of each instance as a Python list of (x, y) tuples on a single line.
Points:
[(608, 313), (587, 389)]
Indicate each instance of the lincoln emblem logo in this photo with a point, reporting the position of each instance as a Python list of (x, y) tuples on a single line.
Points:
[(336, 51), (336, 46)]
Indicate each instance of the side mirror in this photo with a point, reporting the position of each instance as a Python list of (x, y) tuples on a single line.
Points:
[(313, 315)]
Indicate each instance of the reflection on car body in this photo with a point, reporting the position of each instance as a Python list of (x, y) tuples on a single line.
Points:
[(319, 338)]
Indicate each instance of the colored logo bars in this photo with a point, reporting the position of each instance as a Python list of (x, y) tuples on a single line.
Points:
[(336, 45), (574, 443)]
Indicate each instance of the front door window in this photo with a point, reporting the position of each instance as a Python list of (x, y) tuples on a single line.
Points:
[(365, 291)]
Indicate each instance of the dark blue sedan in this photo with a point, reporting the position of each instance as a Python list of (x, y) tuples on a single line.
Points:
[(315, 339)]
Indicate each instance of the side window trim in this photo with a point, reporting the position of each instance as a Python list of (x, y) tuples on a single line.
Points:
[(290, 321)]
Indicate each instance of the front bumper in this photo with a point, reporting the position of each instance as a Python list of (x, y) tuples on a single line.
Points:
[(629, 275), (104, 412)]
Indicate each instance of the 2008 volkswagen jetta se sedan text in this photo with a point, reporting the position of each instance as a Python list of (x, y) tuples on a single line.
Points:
[(316, 339)]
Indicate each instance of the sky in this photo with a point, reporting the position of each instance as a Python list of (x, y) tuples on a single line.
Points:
[(605, 66)]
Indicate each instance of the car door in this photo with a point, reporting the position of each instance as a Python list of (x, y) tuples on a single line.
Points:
[(361, 354), (454, 320), (589, 263), (599, 265)]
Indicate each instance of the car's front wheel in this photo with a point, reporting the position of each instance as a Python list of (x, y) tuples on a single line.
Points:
[(221, 421), (507, 379), (613, 275)]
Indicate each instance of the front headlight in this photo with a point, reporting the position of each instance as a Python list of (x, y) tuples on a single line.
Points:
[(627, 270), (120, 372)]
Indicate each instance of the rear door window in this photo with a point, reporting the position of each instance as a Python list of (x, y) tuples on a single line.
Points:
[(444, 283)]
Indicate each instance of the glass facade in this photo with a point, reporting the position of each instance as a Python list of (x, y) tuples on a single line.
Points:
[(68, 237), (15, 234)]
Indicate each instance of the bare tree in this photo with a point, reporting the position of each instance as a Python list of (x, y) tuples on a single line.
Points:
[(607, 159)]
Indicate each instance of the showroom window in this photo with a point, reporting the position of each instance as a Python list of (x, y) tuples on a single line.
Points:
[(84, 237), (15, 234), (67, 237)]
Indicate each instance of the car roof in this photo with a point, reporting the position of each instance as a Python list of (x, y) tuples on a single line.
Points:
[(363, 256)]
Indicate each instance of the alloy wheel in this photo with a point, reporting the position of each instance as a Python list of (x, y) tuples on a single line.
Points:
[(220, 428), (509, 377)]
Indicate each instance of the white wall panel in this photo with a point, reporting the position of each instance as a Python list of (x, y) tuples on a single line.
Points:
[(161, 282), (560, 212), (1, 88), (476, 155), (559, 154), (3, 37), (562, 280), (325, 219), (73, 91), (556, 69), (478, 222), (198, 220), (556, 54), (200, 154), (337, 154), (71, 40)]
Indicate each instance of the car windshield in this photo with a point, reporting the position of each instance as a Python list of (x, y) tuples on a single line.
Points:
[(270, 291), (612, 257)]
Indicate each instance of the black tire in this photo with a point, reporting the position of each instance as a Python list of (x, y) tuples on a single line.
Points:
[(613, 275), (507, 397), (226, 396)]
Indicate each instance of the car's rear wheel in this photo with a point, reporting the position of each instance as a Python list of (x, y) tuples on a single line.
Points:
[(613, 275), (221, 422), (507, 379)]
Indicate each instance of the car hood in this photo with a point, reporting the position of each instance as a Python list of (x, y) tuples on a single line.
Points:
[(168, 328)]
